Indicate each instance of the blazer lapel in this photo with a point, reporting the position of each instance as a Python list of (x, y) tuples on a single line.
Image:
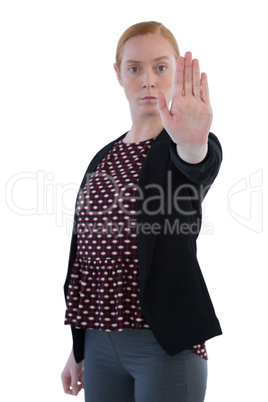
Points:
[(96, 160), (151, 182)]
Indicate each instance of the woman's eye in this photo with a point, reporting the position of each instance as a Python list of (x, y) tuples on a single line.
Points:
[(161, 68), (133, 69)]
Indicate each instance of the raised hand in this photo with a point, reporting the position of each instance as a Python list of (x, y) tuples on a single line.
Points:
[(189, 119)]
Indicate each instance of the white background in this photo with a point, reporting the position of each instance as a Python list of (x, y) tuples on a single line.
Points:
[(60, 103)]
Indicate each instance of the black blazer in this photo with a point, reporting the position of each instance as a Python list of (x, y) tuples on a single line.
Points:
[(173, 295)]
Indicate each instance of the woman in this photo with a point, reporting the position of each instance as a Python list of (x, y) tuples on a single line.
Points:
[(136, 299)]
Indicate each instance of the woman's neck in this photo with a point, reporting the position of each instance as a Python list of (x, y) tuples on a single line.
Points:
[(143, 130)]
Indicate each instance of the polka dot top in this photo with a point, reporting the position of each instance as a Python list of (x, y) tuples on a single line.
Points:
[(103, 291)]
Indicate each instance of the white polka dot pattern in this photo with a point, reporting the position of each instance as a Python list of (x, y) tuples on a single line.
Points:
[(104, 286)]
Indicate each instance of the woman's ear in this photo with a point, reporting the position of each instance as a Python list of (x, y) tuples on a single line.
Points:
[(116, 69)]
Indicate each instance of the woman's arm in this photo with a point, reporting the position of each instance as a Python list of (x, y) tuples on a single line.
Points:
[(202, 173)]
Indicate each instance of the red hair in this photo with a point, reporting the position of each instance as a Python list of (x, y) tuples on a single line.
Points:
[(145, 28)]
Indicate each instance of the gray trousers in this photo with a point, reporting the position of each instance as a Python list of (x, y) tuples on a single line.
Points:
[(130, 366)]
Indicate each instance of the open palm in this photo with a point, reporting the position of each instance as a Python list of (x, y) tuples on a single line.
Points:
[(190, 116)]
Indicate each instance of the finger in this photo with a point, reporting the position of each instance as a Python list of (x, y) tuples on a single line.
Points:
[(188, 74), (75, 388), (162, 108), (196, 79), (179, 75), (66, 382), (81, 381), (205, 89)]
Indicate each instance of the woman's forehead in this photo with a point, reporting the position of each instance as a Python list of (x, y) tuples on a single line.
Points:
[(151, 47)]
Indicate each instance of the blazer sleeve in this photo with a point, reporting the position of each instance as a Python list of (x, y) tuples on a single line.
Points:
[(205, 171), (77, 334)]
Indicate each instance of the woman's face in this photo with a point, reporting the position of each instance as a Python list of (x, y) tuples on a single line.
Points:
[(147, 66)]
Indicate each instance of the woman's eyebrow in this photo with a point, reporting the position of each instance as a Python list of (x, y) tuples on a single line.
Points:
[(137, 61)]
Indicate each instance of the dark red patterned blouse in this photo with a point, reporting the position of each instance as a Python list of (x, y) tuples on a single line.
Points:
[(104, 286)]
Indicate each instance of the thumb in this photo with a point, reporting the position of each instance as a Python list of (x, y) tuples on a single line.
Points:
[(162, 108)]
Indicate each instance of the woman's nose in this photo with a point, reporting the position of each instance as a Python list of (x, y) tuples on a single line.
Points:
[(148, 80)]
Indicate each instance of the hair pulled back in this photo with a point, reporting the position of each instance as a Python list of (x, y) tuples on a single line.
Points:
[(145, 28)]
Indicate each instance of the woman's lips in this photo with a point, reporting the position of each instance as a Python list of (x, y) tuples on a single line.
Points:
[(149, 98)]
